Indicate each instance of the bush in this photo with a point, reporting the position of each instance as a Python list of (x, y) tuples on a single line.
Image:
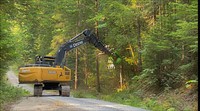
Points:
[(10, 93), (84, 94)]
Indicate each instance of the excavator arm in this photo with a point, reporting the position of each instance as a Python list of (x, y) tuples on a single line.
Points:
[(82, 38)]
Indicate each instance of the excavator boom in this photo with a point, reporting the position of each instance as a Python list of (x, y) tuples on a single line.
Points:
[(82, 38)]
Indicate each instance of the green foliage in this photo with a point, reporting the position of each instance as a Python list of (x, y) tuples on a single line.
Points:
[(163, 33), (166, 43), (118, 60), (10, 93), (189, 84), (84, 94), (7, 48), (171, 109), (153, 105), (191, 81)]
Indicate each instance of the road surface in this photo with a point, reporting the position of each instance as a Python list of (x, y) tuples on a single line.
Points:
[(50, 101)]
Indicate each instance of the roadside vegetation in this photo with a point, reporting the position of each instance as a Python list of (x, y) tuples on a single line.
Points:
[(9, 94), (175, 100), (157, 41)]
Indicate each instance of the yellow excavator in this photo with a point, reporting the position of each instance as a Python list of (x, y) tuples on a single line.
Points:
[(50, 73)]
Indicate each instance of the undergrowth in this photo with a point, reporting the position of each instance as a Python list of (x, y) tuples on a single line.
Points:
[(9, 93), (84, 94), (126, 97)]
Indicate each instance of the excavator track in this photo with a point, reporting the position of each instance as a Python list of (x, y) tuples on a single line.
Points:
[(64, 91), (37, 90)]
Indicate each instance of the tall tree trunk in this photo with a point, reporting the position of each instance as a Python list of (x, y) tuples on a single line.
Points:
[(154, 12), (97, 69), (183, 53), (120, 77), (97, 56), (85, 70), (139, 46), (76, 71), (76, 63), (96, 12)]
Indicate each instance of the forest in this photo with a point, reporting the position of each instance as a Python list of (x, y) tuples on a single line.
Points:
[(157, 41)]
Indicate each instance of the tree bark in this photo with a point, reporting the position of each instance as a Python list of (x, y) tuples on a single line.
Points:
[(120, 77), (97, 69), (76, 62), (97, 58), (76, 71), (154, 12), (139, 46), (85, 70)]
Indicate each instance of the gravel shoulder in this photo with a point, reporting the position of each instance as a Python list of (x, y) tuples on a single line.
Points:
[(41, 104)]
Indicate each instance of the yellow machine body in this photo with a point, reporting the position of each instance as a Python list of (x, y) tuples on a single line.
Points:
[(44, 74)]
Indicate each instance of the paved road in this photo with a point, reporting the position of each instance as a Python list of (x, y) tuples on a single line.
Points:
[(51, 101)]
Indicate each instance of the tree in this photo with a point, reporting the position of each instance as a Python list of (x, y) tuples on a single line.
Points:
[(163, 51)]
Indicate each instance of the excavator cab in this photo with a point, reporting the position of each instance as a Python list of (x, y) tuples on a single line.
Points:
[(48, 60)]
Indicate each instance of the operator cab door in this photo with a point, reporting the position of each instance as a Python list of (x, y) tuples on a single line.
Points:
[(49, 74)]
